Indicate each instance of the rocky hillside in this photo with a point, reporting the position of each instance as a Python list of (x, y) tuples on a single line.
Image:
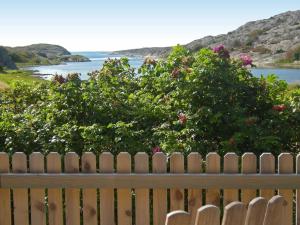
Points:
[(41, 54), (268, 40)]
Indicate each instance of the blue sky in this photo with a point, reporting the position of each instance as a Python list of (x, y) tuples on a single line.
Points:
[(122, 24)]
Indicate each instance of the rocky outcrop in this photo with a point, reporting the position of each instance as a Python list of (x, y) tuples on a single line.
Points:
[(266, 40)]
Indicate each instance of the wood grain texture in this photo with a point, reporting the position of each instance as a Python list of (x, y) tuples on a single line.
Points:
[(194, 165), (159, 165), (89, 195), (37, 196), (124, 194), (275, 211), (107, 209), (178, 217), (72, 194), (267, 166), (286, 166), (231, 165), (213, 166), (176, 194), (208, 215), (249, 166), (5, 209), (20, 195), (234, 214), (55, 209), (256, 211), (142, 203)]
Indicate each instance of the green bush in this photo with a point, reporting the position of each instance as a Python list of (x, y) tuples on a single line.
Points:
[(189, 102)]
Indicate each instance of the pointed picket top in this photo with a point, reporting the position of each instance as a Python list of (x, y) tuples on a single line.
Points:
[(256, 211), (207, 215)]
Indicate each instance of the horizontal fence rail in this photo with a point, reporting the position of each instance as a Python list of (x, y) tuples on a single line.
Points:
[(138, 190), (113, 180)]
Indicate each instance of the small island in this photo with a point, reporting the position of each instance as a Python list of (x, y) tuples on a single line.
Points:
[(36, 55)]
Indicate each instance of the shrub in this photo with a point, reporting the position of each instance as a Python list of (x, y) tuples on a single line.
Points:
[(189, 102)]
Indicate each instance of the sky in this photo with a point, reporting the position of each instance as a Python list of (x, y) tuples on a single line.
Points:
[(97, 25)]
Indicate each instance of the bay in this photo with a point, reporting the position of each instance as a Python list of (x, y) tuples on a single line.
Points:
[(98, 58)]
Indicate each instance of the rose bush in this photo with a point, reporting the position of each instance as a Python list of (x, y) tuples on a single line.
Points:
[(201, 102)]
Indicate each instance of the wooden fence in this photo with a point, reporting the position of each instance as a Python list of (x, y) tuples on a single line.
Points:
[(139, 190)]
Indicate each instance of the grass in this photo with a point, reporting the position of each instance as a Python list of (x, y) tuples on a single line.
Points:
[(8, 77)]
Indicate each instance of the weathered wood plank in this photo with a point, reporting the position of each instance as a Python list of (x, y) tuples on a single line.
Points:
[(160, 209), (55, 209), (5, 209), (249, 166), (124, 194), (267, 166), (213, 166), (107, 209), (20, 195), (72, 194), (176, 194), (89, 195), (37, 196), (194, 162), (142, 203), (286, 166)]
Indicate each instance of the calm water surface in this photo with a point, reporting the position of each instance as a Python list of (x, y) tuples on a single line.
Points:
[(98, 58)]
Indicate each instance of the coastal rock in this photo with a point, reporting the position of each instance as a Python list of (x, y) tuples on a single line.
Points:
[(266, 40)]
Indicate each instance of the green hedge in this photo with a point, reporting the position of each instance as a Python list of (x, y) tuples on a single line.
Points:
[(189, 102)]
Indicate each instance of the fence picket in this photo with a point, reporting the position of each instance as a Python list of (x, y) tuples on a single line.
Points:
[(72, 194), (5, 209), (256, 211), (234, 214), (267, 166), (20, 195), (178, 217), (176, 195), (37, 196), (142, 207), (275, 211), (55, 211), (124, 194), (160, 209), (89, 196), (194, 162), (208, 215), (249, 165), (213, 166), (298, 192), (231, 165), (286, 165), (107, 209)]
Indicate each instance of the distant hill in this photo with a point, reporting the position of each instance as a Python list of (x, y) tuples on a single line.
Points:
[(267, 40), (6, 60), (40, 54)]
